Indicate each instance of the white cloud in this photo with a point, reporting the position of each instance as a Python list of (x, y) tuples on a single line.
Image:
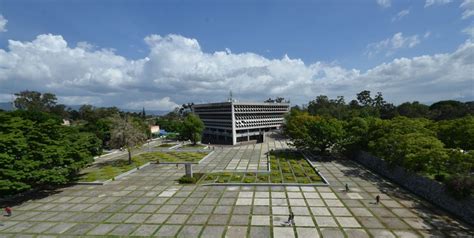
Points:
[(400, 15), (3, 23), (163, 104), (392, 44), (468, 7), (469, 31), (384, 3), (177, 71), (429, 3)]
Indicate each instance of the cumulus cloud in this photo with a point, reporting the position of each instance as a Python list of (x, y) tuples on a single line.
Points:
[(392, 44), (429, 3), (384, 3), (468, 8), (469, 31), (3, 23), (400, 15), (176, 70), (163, 104)]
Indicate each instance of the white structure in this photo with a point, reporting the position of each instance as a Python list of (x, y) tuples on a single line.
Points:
[(237, 122)]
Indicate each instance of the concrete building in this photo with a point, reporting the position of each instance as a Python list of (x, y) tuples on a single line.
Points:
[(239, 122)]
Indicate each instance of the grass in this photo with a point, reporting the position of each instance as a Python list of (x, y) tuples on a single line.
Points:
[(165, 145), (197, 146), (109, 169), (173, 156), (286, 167)]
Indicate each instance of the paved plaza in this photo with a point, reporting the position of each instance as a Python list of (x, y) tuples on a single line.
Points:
[(149, 202)]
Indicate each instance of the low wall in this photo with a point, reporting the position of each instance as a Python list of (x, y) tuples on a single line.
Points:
[(428, 189)]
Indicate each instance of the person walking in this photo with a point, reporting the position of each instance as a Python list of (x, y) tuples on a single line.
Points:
[(8, 211), (347, 188), (292, 219), (377, 199)]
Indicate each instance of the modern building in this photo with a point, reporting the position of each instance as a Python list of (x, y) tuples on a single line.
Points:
[(238, 122)]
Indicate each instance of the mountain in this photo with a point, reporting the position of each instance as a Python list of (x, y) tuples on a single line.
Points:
[(7, 106)]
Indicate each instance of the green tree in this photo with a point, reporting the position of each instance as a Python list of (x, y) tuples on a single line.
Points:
[(450, 109), (36, 101), (314, 133), (192, 128), (126, 134), (413, 110), (36, 151), (457, 133)]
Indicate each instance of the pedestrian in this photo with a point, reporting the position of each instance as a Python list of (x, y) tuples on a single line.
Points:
[(347, 187), (292, 219), (377, 199), (8, 211)]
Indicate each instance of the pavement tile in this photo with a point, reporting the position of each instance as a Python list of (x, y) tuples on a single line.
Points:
[(325, 222), (212, 231), (260, 220), (283, 232), (236, 231), (356, 233), (168, 230), (190, 231), (102, 229), (306, 232), (145, 230)]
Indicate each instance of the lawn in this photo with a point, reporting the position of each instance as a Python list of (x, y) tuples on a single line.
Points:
[(286, 167), (165, 145), (173, 157), (109, 169), (191, 146)]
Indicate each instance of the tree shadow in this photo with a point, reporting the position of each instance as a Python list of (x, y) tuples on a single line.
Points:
[(35, 194), (432, 216)]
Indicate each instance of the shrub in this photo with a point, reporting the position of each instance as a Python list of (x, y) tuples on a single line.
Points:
[(248, 180), (460, 186), (187, 180)]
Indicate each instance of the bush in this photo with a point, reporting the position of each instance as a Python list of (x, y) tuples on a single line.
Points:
[(439, 177), (460, 186), (249, 180), (187, 180)]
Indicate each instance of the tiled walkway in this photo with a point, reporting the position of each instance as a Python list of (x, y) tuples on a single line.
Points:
[(150, 203)]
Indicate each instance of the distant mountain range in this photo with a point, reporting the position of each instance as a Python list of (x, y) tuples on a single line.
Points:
[(7, 106)]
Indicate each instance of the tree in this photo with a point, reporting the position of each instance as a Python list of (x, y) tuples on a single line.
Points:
[(36, 101), (192, 128), (365, 99), (36, 151), (457, 133), (356, 131), (413, 110), (314, 133), (450, 109), (126, 133)]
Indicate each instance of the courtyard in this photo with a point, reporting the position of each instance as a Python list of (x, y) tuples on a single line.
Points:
[(150, 202)]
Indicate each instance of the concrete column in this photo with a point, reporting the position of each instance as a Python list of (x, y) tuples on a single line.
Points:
[(189, 170), (234, 132)]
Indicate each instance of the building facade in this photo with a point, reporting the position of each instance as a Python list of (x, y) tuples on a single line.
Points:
[(238, 122)]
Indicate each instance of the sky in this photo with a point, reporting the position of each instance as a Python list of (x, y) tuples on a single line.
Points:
[(160, 54)]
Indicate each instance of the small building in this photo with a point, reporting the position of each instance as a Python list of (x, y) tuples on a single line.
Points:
[(239, 122), (155, 130)]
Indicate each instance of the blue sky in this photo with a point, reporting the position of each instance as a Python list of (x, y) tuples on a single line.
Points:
[(334, 37)]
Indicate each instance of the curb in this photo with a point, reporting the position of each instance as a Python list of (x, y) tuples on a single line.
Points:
[(175, 146), (268, 184), (316, 170)]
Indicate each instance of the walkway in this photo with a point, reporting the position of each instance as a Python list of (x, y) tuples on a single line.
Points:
[(151, 203)]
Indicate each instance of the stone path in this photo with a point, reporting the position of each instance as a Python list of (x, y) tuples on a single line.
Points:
[(151, 203)]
